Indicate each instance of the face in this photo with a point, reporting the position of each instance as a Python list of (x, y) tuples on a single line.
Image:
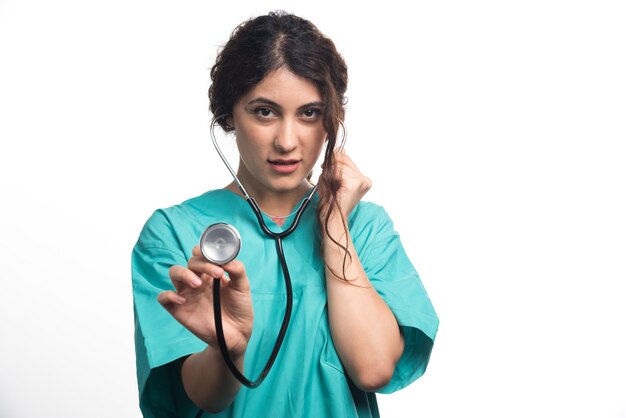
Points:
[(280, 133)]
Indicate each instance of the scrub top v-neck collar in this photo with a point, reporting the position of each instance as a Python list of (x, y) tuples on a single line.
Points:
[(271, 224)]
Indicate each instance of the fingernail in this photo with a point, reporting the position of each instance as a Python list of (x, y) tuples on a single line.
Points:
[(196, 281)]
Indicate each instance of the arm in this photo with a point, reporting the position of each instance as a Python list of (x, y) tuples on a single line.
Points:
[(207, 380), (205, 376), (364, 330)]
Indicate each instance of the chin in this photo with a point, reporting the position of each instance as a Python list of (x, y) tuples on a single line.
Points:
[(286, 186)]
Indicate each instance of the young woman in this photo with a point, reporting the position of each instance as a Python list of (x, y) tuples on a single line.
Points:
[(361, 320)]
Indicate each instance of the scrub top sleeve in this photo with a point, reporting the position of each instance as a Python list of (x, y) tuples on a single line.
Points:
[(159, 338), (393, 276)]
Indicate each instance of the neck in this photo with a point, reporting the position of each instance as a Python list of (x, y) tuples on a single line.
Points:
[(274, 203)]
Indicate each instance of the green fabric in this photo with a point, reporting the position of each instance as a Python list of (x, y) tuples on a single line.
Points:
[(308, 378)]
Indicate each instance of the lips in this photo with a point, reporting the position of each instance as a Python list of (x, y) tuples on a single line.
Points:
[(284, 166), (283, 162)]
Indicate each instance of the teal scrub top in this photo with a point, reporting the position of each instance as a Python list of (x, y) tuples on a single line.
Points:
[(307, 378)]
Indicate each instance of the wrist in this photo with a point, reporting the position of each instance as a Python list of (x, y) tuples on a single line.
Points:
[(336, 223), (237, 354)]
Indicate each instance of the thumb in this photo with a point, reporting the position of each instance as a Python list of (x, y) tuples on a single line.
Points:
[(237, 275)]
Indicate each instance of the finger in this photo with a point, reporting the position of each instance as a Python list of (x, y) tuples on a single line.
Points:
[(350, 168), (339, 155), (200, 265), (237, 275), (224, 281), (169, 297), (181, 276), (196, 251), (347, 166), (347, 161)]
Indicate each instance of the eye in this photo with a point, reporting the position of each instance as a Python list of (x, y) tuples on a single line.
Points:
[(264, 112), (311, 114)]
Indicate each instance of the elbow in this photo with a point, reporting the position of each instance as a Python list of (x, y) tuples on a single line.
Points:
[(373, 373), (207, 407), (211, 408), (210, 405), (374, 378)]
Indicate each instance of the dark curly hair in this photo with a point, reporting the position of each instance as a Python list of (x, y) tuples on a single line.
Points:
[(282, 40)]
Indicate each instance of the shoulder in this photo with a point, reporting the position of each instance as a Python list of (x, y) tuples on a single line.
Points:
[(370, 226), (369, 216), (368, 209), (213, 201), (166, 225)]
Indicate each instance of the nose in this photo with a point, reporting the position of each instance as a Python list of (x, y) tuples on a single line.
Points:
[(286, 137)]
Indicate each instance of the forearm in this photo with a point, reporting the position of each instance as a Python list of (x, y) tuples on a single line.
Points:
[(364, 330), (207, 380)]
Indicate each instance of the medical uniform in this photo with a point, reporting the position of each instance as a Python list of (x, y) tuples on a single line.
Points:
[(307, 379)]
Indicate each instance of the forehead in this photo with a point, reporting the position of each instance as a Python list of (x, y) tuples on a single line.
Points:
[(285, 88)]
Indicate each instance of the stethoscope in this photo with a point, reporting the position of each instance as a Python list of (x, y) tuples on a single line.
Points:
[(220, 243)]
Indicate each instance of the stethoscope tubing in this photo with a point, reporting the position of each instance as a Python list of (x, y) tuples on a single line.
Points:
[(281, 334), (277, 237)]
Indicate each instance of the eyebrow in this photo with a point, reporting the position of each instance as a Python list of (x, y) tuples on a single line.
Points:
[(263, 100)]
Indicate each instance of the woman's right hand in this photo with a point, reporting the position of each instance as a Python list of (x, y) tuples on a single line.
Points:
[(192, 301)]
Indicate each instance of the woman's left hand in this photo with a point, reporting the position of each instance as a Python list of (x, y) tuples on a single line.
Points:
[(354, 185)]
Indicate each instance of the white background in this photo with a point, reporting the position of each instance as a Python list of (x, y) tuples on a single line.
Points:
[(494, 133)]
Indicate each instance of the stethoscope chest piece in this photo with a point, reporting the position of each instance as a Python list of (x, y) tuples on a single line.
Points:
[(220, 243)]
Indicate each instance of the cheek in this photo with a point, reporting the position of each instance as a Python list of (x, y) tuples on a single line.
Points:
[(315, 135), (317, 147), (251, 138), (321, 145), (256, 133), (320, 141)]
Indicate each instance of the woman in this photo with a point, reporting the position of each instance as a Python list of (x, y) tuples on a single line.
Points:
[(361, 319)]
